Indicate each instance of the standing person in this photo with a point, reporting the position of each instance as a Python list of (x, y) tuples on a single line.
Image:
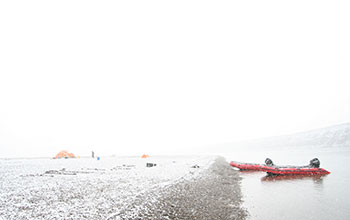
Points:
[(92, 154)]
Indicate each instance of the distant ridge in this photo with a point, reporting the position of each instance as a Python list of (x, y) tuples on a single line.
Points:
[(332, 136)]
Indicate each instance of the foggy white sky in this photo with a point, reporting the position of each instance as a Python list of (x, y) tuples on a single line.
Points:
[(128, 77)]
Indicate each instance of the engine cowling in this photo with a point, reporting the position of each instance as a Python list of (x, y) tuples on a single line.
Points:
[(269, 162), (315, 163)]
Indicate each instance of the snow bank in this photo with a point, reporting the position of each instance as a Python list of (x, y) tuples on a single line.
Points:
[(86, 188)]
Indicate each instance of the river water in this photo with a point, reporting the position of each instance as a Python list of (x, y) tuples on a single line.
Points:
[(297, 197)]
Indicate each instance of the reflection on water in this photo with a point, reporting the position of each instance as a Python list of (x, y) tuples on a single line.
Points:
[(297, 197), (249, 171)]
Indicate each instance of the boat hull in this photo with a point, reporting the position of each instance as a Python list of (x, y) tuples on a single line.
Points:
[(247, 166), (277, 170), (295, 170)]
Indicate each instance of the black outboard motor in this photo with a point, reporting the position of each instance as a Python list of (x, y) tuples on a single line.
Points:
[(315, 163), (269, 162)]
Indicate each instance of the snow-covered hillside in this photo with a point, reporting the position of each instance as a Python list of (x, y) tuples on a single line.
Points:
[(334, 136), (329, 137)]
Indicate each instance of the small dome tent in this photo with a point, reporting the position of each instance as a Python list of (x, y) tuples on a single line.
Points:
[(145, 156), (64, 154)]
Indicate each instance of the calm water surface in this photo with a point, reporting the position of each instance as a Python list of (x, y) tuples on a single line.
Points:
[(314, 197)]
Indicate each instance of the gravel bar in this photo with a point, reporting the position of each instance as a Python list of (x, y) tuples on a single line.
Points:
[(215, 194)]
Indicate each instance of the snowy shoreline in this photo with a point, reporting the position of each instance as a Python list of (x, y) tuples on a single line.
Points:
[(113, 188), (215, 194)]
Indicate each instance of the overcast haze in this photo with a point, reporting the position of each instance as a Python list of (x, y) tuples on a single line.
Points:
[(158, 77)]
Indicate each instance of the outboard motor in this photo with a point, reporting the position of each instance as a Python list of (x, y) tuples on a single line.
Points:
[(315, 163), (269, 162)]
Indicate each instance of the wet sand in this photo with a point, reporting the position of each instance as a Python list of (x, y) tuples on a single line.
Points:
[(213, 195)]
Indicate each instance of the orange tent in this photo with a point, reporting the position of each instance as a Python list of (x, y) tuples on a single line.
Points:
[(64, 154), (145, 156)]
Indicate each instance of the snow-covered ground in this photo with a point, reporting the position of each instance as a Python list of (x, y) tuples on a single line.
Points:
[(87, 188)]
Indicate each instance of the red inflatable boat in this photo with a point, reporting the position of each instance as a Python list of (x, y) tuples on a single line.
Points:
[(270, 168), (295, 170), (247, 166)]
